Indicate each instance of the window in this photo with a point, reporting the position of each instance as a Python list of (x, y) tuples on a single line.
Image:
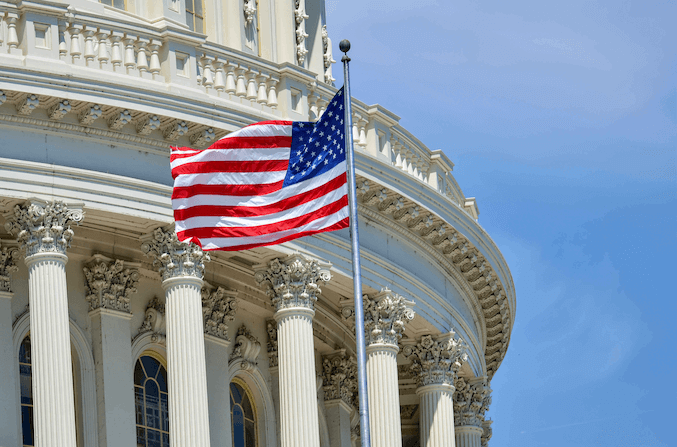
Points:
[(195, 15), (242, 415), (151, 402), (25, 376), (120, 4)]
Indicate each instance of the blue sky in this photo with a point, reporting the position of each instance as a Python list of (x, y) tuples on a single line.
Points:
[(561, 119)]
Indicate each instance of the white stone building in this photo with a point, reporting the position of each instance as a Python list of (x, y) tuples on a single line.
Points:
[(114, 335)]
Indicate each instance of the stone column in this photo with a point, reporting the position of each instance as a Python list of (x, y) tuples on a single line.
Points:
[(472, 398), (8, 402), (435, 362), (44, 234), (384, 317), (339, 383), (292, 284), (181, 266), (487, 432), (109, 285)]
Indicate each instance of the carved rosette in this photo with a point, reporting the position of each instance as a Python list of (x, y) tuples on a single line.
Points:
[(384, 317), (218, 309), (109, 285), (8, 258), (246, 349), (339, 378), (487, 432), (271, 327), (154, 321), (43, 227), (436, 362), (471, 401), (174, 258), (293, 281)]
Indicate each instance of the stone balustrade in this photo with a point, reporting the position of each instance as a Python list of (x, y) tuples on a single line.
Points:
[(165, 58)]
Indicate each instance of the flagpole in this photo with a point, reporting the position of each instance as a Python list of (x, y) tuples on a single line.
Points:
[(344, 46)]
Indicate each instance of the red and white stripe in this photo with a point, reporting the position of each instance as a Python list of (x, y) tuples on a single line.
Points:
[(230, 196)]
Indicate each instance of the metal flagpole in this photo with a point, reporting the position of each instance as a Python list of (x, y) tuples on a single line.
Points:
[(344, 46)]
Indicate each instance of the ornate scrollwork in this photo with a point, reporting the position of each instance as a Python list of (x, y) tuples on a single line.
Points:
[(339, 378), (271, 328), (42, 227), (109, 285), (218, 309), (437, 361), (174, 258), (8, 258), (471, 401), (154, 321), (293, 281), (246, 349)]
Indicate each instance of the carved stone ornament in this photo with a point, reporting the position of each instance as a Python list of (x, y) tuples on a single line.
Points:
[(43, 227), (109, 285), (471, 401), (328, 57), (218, 309), (488, 432), (301, 16), (407, 411), (249, 11), (271, 327), (246, 349), (154, 321), (8, 258), (173, 258), (437, 361), (293, 281), (384, 317), (339, 378)]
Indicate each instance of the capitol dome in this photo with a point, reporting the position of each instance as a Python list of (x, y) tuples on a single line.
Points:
[(113, 334)]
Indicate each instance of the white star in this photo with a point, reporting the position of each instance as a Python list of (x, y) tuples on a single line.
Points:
[(303, 173), (312, 154), (326, 123), (324, 147), (317, 144), (342, 122), (341, 107), (334, 155), (321, 134), (331, 114), (333, 127), (325, 162), (307, 163), (300, 138), (298, 153), (300, 124)]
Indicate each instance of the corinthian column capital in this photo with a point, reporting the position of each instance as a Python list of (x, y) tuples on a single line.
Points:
[(293, 282), (218, 310), (109, 284), (339, 378), (173, 258), (43, 227), (471, 401), (384, 317), (437, 361), (8, 258)]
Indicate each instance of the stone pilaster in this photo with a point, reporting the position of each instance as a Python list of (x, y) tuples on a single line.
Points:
[(385, 315), (44, 234), (339, 384), (472, 398), (293, 285), (181, 266), (435, 363), (9, 256), (109, 286)]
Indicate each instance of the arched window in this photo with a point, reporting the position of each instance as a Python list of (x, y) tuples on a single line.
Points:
[(120, 4), (195, 15), (151, 401), (25, 376), (242, 415)]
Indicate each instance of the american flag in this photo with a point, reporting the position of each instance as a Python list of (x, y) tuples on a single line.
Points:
[(264, 184)]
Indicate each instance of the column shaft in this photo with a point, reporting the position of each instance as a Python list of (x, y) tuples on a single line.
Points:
[(468, 436), (437, 416), (53, 405), (299, 426), (188, 406), (384, 396), (9, 407)]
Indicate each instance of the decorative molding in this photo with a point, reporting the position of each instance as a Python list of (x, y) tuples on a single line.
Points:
[(175, 130), (202, 137), (384, 316), (218, 310), (147, 124), (301, 16), (59, 110), (26, 104), (42, 227), (118, 120), (108, 284), (292, 281), (172, 257), (271, 328), (471, 401), (8, 259), (246, 349), (328, 57), (339, 377), (437, 361), (154, 322)]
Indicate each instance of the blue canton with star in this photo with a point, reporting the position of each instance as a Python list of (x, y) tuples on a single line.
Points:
[(317, 147)]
